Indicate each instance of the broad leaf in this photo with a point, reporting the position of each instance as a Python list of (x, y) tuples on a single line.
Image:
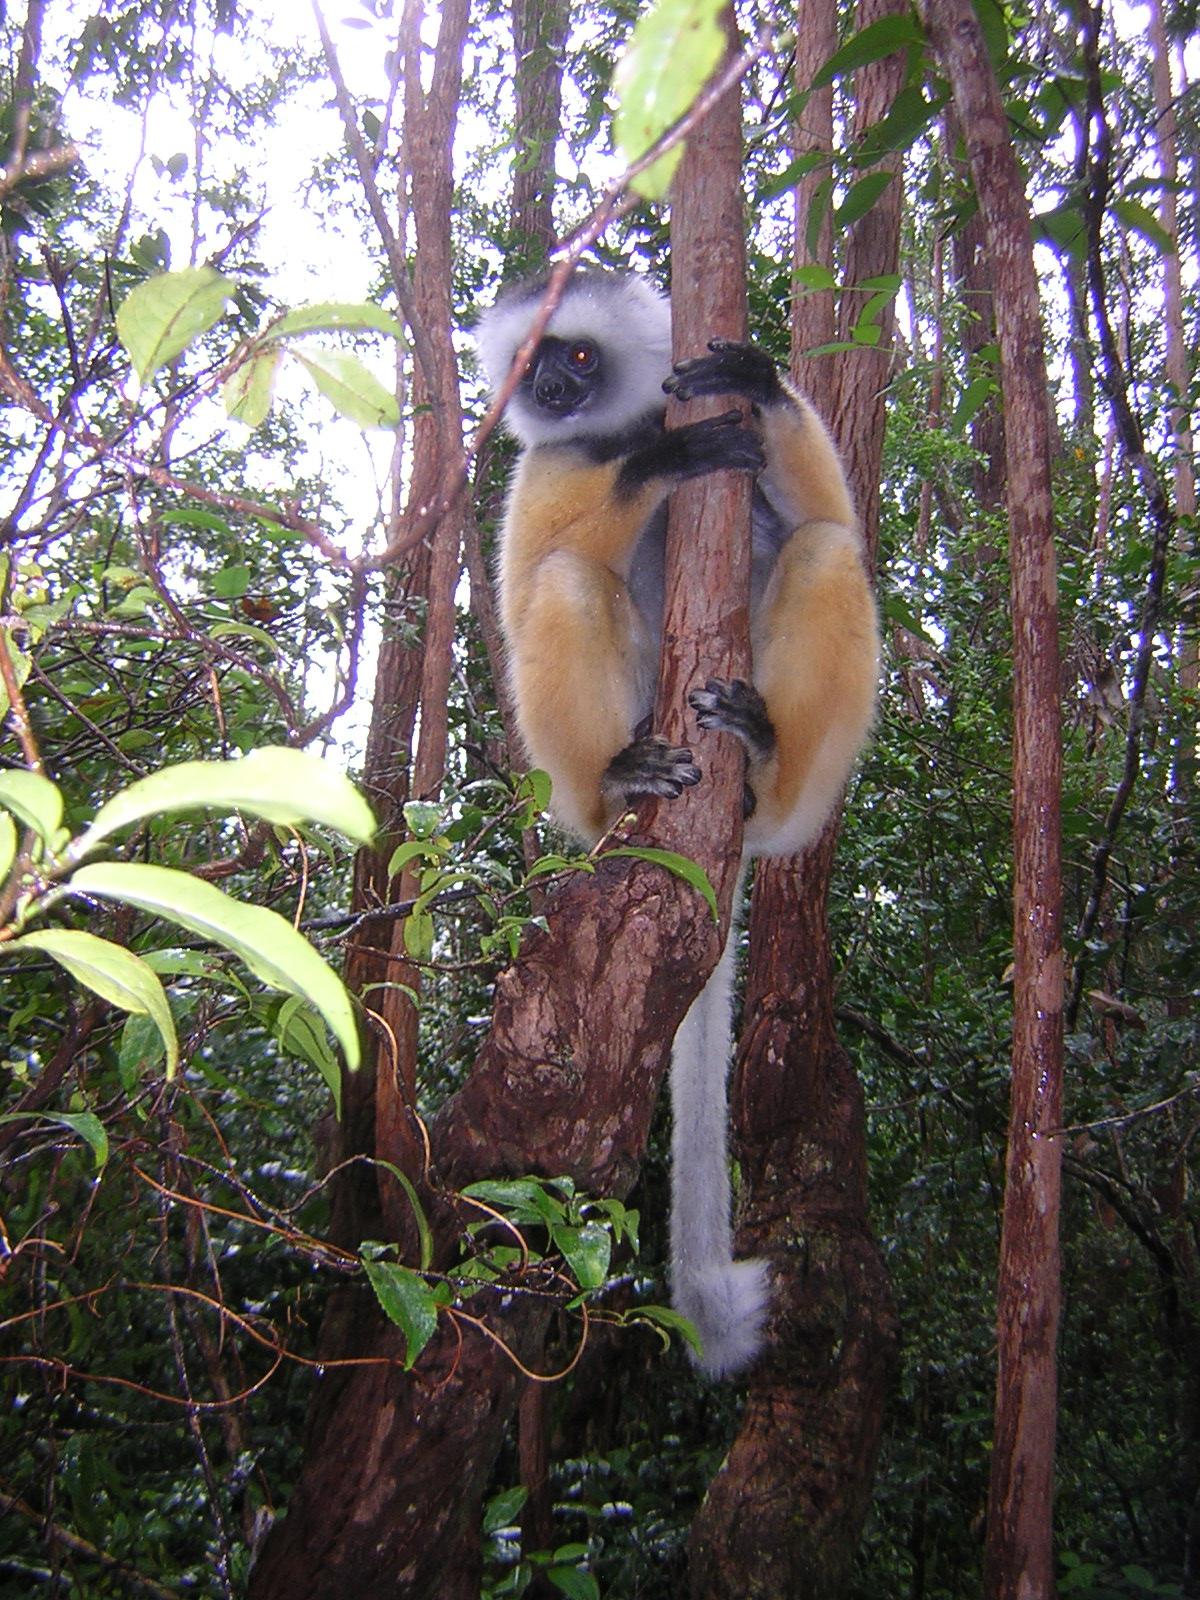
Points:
[(329, 315), (33, 800), (248, 391), (272, 949), (162, 316), (671, 54), (281, 785), (351, 389), (407, 1300), (682, 866), (112, 972), (85, 1123)]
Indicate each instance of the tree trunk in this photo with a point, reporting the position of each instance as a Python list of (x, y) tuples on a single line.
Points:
[(1019, 1563), (784, 1515)]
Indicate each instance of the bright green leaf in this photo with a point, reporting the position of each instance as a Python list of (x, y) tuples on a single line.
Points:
[(299, 1031), (284, 786), (587, 1251), (272, 949), (33, 800), (162, 316), (353, 392), (8, 844), (248, 390), (672, 52), (330, 316), (112, 972)]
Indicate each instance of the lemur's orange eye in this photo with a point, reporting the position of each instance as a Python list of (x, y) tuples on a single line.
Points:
[(583, 356)]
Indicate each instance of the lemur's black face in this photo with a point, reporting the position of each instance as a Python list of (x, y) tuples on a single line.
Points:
[(564, 376)]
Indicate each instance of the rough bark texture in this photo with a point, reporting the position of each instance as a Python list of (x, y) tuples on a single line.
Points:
[(783, 1517), (388, 1502), (1019, 1552)]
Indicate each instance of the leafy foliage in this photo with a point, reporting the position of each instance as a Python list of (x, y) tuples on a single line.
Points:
[(181, 614)]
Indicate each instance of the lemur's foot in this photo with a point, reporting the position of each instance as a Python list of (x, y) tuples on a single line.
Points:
[(730, 705), (650, 766)]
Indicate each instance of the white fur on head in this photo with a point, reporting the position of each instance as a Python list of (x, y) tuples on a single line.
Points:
[(621, 312)]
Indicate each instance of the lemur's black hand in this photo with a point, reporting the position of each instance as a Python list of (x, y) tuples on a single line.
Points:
[(732, 368)]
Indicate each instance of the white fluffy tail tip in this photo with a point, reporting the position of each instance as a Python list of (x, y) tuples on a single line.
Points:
[(728, 1305)]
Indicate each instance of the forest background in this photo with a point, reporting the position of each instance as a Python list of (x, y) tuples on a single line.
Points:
[(261, 544)]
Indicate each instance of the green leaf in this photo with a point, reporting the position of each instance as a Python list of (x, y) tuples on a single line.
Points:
[(666, 1320), (672, 52), (407, 1300), (970, 400), (162, 316), (872, 43), (860, 197), (1140, 219), (272, 949), (112, 972), (526, 1198), (418, 935), (85, 1123), (502, 1509), (682, 866), (333, 315), (587, 1251), (572, 1581), (21, 660), (283, 786), (34, 801), (231, 582), (422, 818), (244, 630), (248, 391), (1063, 228), (8, 844), (350, 388), (298, 1030)]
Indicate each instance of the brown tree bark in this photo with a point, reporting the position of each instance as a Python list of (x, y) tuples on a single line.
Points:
[(539, 32), (389, 1499), (1019, 1558), (783, 1517)]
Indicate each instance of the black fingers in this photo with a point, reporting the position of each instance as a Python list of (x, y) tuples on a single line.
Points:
[(715, 445), (731, 368), (734, 706), (650, 766)]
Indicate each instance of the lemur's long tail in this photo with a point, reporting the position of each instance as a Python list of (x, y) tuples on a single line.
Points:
[(726, 1299)]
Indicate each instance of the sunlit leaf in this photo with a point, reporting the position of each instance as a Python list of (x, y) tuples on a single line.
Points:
[(162, 316), (353, 391), (328, 316), (112, 972), (671, 54), (281, 785), (248, 391), (272, 949)]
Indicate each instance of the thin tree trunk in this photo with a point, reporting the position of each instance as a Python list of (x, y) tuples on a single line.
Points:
[(783, 1517), (1019, 1560)]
